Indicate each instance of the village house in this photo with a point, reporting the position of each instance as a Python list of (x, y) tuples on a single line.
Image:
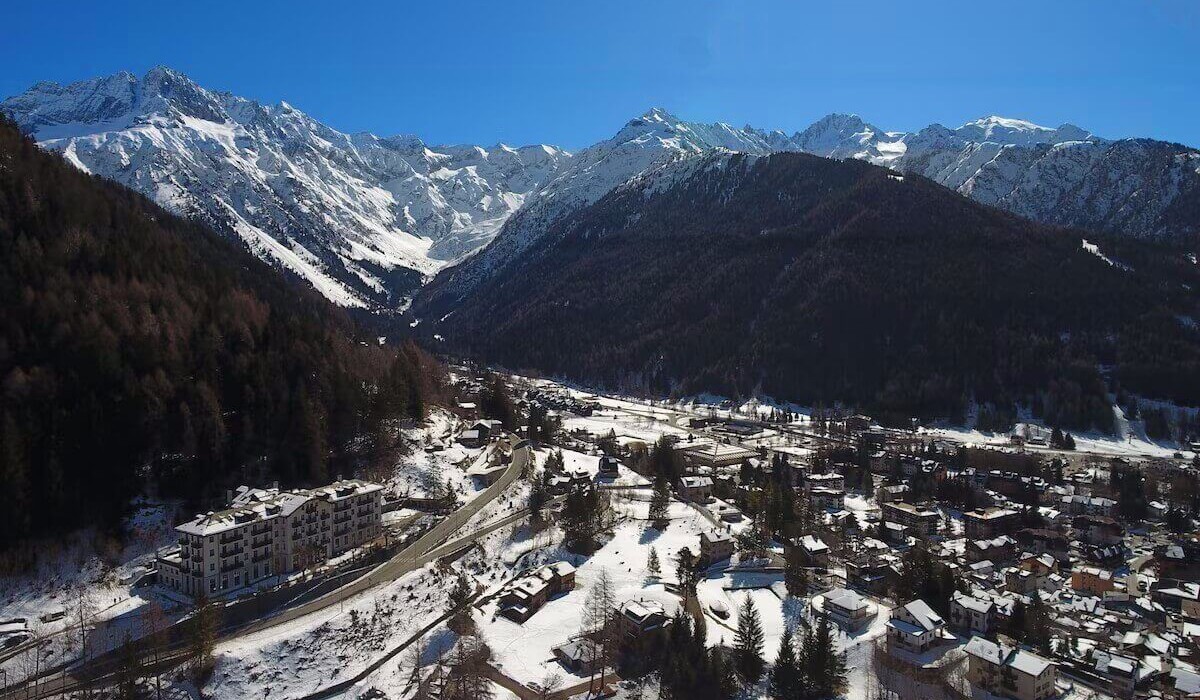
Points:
[(523, 597), (810, 550), (1009, 672), (1123, 673), (637, 619), (697, 489), (920, 521), (998, 550), (826, 499), (1180, 596), (1092, 580), (970, 614), (914, 628), (869, 574), (1040, 570), (1088, 505), (987, 523), (847, 609), (1043, 541), (715, 547)]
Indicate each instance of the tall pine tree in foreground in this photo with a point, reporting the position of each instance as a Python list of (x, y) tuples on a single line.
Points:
[(785, 676), (824, 668), (749, 642)]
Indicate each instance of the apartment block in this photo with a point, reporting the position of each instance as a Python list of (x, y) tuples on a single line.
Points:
[(269, 532)]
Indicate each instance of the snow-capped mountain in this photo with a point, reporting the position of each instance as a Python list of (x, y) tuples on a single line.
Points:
[(1063, 176), (644, 144), (364, 219), (367, 220)]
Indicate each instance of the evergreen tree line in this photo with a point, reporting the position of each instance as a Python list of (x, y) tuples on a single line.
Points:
[(139, 349)]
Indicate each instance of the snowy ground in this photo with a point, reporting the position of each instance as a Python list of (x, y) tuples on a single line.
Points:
[(420, 473), (524, 651), (324, 648), (93, 572)]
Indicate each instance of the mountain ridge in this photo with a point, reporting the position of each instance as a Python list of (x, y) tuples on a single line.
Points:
[(822, 281), (368, 220)]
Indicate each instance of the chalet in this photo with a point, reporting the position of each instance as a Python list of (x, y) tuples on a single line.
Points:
[(715, 547), (1178, 560), (1020, 581), (697, 489), (581, 656), (869, 574), (637, 619), (971, 614), (609, 466), (813, 551), (986, 523), (1009, 672), (914, 628), (1098, 530), (847, 609), (526, 595)]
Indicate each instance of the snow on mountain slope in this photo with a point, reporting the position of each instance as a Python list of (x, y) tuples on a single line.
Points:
[(646, 143), (364, 219), (1063, 176)]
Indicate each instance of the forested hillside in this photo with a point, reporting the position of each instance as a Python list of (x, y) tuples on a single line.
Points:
[(139, 350), (822, 281)]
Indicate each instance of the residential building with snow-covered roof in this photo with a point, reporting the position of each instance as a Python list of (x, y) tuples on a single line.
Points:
[(269, 532), (1009, 672)]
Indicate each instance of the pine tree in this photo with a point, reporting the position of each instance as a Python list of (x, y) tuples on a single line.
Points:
[(835, 663), (795, 575), (653, 569), (660, 502), (785, 676), (749, 642), (685, 571)]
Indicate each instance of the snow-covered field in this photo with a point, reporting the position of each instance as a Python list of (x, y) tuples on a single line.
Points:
[(524, 651), (319, 650)]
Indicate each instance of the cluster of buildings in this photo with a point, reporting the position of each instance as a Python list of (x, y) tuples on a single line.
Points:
[(265, 533)]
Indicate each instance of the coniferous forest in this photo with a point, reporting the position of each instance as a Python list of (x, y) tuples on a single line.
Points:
[(139, 350), (823, 282)]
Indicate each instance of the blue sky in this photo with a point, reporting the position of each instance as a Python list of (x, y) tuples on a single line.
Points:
[(571, 72)]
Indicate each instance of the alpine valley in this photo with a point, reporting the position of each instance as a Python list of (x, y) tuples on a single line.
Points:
[(999, 264)]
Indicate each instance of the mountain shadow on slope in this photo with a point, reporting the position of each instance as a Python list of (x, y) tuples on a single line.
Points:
[(822, 281)]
